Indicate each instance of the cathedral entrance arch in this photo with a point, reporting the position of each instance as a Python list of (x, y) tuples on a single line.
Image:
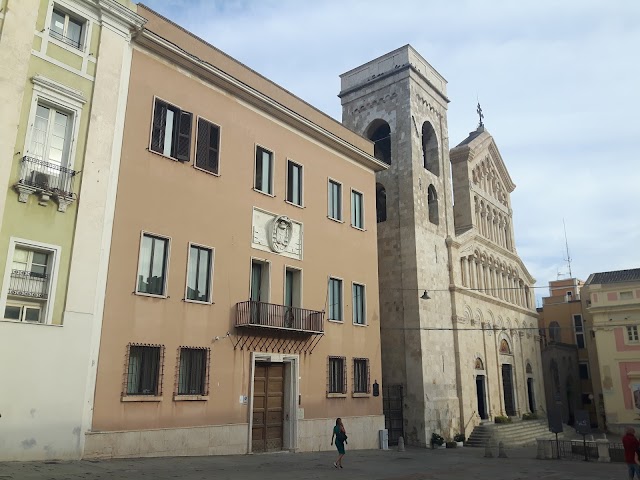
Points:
[(506, 361), (481, 389)]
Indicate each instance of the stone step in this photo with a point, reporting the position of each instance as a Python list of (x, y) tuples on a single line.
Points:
[(512, 434)]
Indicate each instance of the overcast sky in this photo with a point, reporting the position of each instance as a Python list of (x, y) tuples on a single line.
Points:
[(558, 82)]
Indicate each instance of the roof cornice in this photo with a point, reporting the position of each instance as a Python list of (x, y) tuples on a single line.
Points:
[(169, 50)]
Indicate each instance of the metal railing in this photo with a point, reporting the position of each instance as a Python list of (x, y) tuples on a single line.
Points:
[(575, 450), (24, 283), (46, 176), (69, 41), (269, 315)]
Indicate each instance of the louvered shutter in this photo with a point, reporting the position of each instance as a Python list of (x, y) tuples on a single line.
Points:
[(158, 127), (214, 144), (183, 141), (202, 145)]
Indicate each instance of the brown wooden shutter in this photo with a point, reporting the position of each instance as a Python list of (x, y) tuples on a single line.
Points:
[(202, 143), (183, 138), (214, 148), (158, 127)]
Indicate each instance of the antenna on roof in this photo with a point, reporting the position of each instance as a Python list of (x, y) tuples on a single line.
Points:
[(566, 242)]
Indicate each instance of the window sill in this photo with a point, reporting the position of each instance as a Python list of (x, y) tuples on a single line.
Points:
[(6, 320), (359, 228), (150, 295), (197, 302), (264, 193), (361, 395), (335, 321), (337, 220), (294, 204), (141, 398), (190, 398), (336, 395), (360, 324), (167, 156), (204, 170)]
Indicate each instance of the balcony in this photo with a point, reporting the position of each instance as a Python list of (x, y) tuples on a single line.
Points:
[(46, 179), (24, 283), (262, 315)]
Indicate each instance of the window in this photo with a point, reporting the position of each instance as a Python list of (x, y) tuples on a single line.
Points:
[(626, 295), (381, 203), (199, 274), (430, 149), (361, 375), (29, 284), (259, 281), (586, 398), (264, 171), (208, 146), (432, 200), (294, 183), (337, 375), (152, 265), (193, 371), (144, 366), (335, 200), (335, 299), (171, 131), (554, 331), (66, 28), (358, 300), (379, 132), (632, 333), (292, 287), (51, 135), (579, 330), (583, 369), (357, 209)]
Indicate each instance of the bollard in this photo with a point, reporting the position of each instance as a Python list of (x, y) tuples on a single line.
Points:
[(487, 449), (501, 452), (401, 444)]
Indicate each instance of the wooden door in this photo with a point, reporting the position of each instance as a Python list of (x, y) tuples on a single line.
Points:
[(507, 386), (268, 407)]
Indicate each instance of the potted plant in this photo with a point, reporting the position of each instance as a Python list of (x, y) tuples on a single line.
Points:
[(436, 440), (501, 419), (459, 439), (451, 444), (530, 416)]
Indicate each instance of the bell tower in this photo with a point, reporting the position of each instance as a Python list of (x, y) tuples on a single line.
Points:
[(399, 102)]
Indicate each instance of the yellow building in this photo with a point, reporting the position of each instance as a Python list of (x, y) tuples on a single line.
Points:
[(64, 67), (612, 303)]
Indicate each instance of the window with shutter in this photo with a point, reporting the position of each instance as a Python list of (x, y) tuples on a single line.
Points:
[(207, 146), (171, 131)]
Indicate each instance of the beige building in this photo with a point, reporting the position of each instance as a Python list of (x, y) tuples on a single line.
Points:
[(569, 353), (460, 343), (241, 310), (611, 301)]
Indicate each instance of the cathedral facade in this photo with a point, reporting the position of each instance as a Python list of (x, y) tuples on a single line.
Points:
[(459, 334)]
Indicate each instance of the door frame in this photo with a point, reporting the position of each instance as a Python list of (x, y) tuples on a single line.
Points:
[(291, 392)]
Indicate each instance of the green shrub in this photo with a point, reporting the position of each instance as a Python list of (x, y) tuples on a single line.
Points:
[(530, 416), (451, 444), (459, 437), (436, 439), (501, 419)]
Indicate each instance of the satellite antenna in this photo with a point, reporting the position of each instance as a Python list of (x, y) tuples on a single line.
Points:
[(566, 243)]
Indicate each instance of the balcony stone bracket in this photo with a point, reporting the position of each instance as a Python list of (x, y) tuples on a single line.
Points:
[(44, 197)]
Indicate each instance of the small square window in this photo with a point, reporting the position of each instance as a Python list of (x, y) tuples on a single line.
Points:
[(357, 209), (361, 375), (171, 131), (143, 372), (632, 333), (264, 171), (193, 371), (208, 146), (583, 368), (335, 299), (199, 274), (337, 375), (294, 183), (152, 265), (67, 28), (335, 200)]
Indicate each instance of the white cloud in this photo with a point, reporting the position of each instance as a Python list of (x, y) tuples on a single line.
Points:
[(558, 82)]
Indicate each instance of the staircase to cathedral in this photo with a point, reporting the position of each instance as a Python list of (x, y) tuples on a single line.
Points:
[(518, 433)]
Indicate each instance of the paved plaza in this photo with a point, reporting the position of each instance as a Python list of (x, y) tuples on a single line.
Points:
[(413, 464)]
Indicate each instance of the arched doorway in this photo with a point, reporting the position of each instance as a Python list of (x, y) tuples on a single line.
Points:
[(530, 392), (379, 132), (506, 359), (481, 389), (430, 149)]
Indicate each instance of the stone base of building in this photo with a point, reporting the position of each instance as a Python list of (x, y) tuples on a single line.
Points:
[(313, 435)]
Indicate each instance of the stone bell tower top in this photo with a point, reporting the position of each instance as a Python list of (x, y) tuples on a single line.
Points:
[(389, 64)]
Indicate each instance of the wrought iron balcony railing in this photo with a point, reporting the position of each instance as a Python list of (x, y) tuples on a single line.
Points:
[(46, 176), (63, 38), (24, 283), (280, 317)]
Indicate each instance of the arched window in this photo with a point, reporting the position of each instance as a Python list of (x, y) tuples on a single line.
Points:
[(554, 331), (528, 368), (430, 149), (381, 203), (379, 132), (479, 364), (432, 200)]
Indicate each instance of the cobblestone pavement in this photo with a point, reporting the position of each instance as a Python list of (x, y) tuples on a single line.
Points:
[(413, 464)]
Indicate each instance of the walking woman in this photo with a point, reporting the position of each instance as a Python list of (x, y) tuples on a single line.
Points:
[(340, 435)]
